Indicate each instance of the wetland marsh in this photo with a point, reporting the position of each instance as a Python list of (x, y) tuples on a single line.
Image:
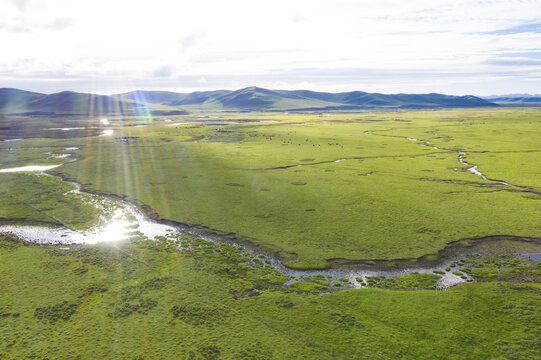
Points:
[(263, 221), (387, 197)]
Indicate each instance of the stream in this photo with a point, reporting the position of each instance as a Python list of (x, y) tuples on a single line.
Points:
[(126, 220), (473, 169)]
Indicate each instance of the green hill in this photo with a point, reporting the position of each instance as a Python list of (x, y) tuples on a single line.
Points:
[(14, 101)]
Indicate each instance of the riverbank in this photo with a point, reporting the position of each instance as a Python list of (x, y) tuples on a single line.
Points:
[(146, 299)]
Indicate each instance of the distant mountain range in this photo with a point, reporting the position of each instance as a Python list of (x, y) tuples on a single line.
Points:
[(15, 101), (515, 99), (260, 99), (515, 95)]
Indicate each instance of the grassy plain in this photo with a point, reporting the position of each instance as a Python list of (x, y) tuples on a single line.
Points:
[(146, 300), (387, 197), (390, 198), (27, 198), (315, 187)]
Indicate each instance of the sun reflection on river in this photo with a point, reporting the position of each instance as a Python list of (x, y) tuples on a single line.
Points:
[(115, 231)]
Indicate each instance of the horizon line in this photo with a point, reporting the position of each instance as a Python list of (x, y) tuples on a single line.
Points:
[(272, 89)]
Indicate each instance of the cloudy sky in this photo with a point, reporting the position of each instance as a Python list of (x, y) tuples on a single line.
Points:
[(108, 46)]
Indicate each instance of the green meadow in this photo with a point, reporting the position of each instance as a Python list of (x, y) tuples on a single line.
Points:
[(44, 200), (147, 300), (315, 190), (316, 187)]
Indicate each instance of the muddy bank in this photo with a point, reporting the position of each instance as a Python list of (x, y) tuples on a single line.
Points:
[(454, 250)]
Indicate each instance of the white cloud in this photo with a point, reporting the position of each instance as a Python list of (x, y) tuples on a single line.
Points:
[(386, 45)]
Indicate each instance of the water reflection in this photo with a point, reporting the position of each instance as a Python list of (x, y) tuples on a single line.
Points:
[(107, 132), (125, 223), (30, 168)]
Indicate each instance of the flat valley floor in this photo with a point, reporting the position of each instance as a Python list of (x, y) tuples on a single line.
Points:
[(386, 191)]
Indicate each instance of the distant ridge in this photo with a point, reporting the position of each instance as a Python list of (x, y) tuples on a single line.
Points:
[(256, 98), (15, 101), (510, 95), (529, 100)]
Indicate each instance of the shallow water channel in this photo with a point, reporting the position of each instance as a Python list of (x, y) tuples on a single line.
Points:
[(125, 221)]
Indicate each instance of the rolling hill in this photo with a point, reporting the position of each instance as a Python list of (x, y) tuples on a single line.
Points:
[(15, 101), (256, 98), (12, 100), (171, 98)]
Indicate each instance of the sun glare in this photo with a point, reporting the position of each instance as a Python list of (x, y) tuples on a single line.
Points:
[(115, 231)]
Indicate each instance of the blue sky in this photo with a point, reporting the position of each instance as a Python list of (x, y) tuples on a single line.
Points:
[(389, 46)]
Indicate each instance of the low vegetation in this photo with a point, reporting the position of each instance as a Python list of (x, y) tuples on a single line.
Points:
[(40, 199), (359, 197), (415, 281), (314, 190), (499, 267), (137, 300)]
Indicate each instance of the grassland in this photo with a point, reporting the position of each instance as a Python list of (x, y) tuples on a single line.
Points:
[(147, 300), (277, 184), (40, 199), (388, 197)]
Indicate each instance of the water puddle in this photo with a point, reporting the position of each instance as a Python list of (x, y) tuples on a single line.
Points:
[(107, 132), (35, 168), (183, 123), (534, 257), (125, 223), (67, 129)]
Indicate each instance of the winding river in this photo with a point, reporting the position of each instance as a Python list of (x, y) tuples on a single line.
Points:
[(126, 221)]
